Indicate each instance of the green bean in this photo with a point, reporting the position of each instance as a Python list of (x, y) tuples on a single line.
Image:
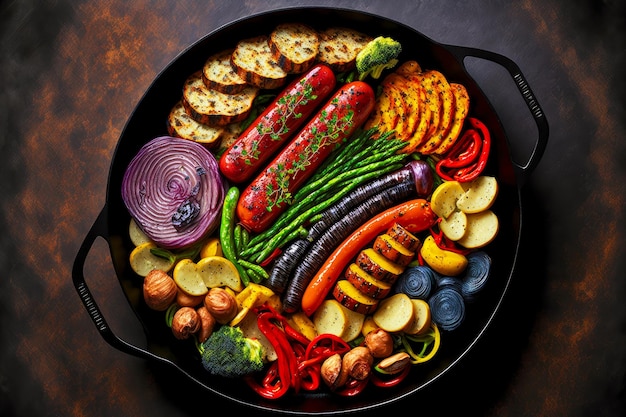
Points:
[(258, 269), (245, 237), (377, 151), (335, 159), (254, 276), (238, 239), (370, 154), (279, 240), (226, 232), (327, 182), (342, 154)]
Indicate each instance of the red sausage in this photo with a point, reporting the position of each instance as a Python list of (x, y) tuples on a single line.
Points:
[(269, 193), (278, 122)]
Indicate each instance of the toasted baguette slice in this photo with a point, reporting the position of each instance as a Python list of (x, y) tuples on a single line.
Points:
[(294, 47), (340, 46), (253, 61), (213, 108), (181, 125), (218, 74)]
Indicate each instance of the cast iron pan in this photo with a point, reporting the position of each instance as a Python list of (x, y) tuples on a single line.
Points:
[(148, 121)]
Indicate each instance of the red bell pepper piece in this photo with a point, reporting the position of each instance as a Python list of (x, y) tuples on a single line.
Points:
[(474, 161), (389, 382)]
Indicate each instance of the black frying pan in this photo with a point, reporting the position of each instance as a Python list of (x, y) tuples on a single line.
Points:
[(148, 121)]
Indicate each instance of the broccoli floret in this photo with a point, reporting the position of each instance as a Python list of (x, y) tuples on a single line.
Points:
[(227, 352), (379, 54)]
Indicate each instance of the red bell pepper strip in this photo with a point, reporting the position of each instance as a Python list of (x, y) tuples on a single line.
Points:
[(453, 170), (464, 152), (271, 258), (273, 387), (389, 382), (298, 360), (352, 387)]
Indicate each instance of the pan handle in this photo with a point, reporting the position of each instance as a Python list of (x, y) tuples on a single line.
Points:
[(99, 230), (537, 113)]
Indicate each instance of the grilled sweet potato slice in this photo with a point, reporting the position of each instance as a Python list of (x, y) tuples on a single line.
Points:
[(461, 109), (350, 297), (378, 266), (366, 283), (393, 250)]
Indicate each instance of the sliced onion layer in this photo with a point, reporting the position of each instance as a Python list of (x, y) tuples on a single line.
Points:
[(417, 281), (447, 308), (476, 275), (174, 191)]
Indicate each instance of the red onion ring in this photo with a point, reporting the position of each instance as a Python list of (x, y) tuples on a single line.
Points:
[(174, 191)]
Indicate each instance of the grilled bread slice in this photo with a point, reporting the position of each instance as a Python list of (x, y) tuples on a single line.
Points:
[(231, 134), (340, 46), (253, 61), (181, 125), (218, 74), (294, 46), (210, 107)]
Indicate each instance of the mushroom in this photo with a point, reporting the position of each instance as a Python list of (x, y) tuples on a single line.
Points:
[(357, 362), (207, 323), (379, 342), (221, 304), (159, 290), (394, 363), (331, 372), (186, 321)]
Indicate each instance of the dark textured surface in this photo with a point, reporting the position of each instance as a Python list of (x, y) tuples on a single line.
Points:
[(72, 72)]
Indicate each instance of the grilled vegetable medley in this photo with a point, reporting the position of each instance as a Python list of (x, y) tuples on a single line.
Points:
[(318, 216)]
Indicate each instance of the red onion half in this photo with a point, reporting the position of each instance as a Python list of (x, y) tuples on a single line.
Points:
[(174, 191)]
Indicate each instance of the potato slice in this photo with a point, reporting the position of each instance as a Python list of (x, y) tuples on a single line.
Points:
[(482, 228), (443, 202), (188, 279), (137, 236), (447, 101), (354, 324), (421, 318), (217, 271), (432, 83), (479, 194), (394, 313), (331, 318), (142, 260), (454, 226)]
